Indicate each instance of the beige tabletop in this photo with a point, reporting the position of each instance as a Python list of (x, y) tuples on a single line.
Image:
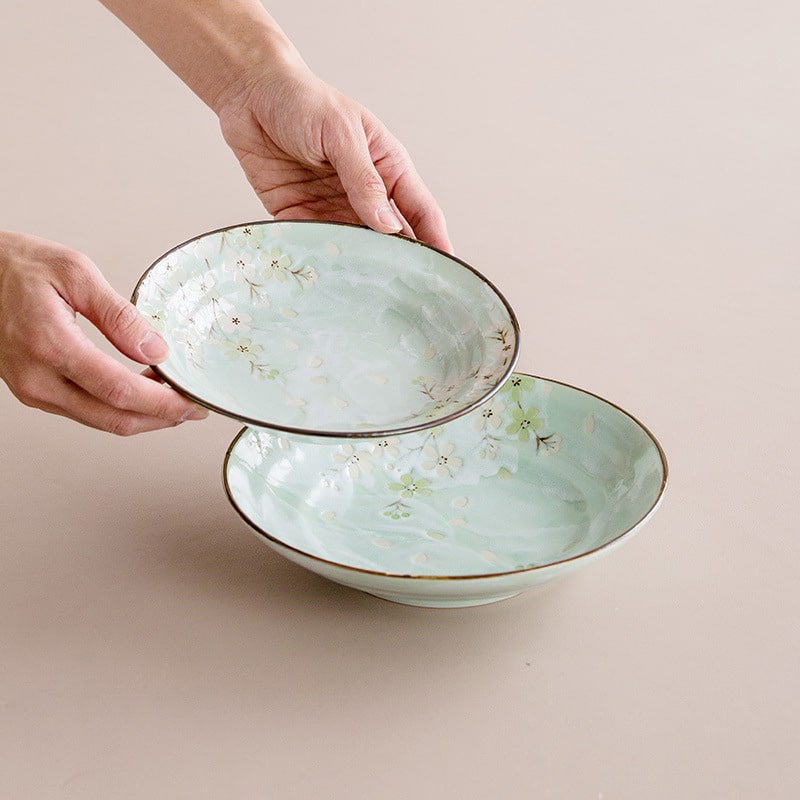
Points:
[(628, 174)]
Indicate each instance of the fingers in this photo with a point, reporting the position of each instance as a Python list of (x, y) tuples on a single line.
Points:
[(49, 363), (106, 380), (416, 204), (407, 229), (368, 159), (67, 400), (86, 385), (350, 156), (111, 387), (115, 316)]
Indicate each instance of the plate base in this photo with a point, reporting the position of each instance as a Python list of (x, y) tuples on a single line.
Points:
[(426, 602)]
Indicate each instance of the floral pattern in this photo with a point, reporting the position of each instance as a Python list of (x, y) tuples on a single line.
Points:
[(410, 486), (381, 514), (354, 461), (409, 471), (441, 459), (262, 301), (544, 478)]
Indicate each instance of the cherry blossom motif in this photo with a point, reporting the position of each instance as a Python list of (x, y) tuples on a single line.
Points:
[(490, 416), (205, 250), (387, 447), (235, 321), (410, 486), (518, 385), (489, 449), (549, 445), (524, 422), (275, 264), (190, 341), (504, 337), (396, 510), (440, 395), (355, 462), (441, 459), (243, 348), (220, 287), (265, 443), (243, 268), (249, 237), (171, 271), (201, 288), (246, 273), (157, 317)]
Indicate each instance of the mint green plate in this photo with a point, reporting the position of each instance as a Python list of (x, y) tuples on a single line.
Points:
[(327, 329), (540, 480)]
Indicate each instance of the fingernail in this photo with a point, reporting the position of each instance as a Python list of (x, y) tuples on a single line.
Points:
[(388, 218), (195, 414), (153, 347)]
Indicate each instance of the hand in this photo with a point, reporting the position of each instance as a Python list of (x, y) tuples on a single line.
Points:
[(312, 153), (307, 150), (49, 363)]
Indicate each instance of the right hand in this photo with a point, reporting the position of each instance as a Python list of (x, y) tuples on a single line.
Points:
[(310, 152), (49, 363)]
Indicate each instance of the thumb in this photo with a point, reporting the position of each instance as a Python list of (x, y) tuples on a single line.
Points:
[(363, 184), (116, 318)]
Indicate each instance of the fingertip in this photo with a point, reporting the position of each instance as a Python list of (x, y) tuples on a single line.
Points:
[(444, 244), (194, 413), (387, 220), (153, 348), (432, 229)]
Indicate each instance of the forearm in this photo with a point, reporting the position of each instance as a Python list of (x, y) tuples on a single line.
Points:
[(214, 46)]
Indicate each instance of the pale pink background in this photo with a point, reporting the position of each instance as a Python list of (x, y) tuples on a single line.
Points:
[(627, 172)]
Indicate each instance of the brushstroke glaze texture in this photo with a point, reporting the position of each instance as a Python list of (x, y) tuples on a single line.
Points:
[(327, 329), (535, 482)]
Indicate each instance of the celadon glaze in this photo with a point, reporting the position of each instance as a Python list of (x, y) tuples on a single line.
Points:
[(535, 482), (327, 329)]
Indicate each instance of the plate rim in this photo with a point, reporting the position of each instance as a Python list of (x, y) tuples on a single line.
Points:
[(627, 533), (334, 434)]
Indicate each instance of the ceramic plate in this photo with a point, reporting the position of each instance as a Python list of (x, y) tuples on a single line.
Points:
[(539, 480), (327, 329)]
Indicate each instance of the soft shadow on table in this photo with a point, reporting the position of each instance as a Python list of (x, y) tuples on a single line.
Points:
[(207, 550)]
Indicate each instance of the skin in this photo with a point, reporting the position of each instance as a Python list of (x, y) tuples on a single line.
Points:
[(308, 151), (49, 363)]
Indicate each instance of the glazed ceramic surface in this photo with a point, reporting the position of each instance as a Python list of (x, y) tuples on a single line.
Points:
[(535, 482), (328, 329)]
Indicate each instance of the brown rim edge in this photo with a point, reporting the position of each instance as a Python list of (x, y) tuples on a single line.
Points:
[(371, 434), (398, 576)]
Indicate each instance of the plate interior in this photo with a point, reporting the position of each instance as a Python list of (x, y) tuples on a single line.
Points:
[(327, 328), (540, 474)]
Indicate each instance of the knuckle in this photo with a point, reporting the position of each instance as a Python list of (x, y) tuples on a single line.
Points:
[(371, 182), (73, 266), (172, 407), (123, 425), (28, 390), (117, 394), (47, 347), (121, 318)]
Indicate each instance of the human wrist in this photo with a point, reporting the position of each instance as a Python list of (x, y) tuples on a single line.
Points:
[(218, 49), (263, 55)]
